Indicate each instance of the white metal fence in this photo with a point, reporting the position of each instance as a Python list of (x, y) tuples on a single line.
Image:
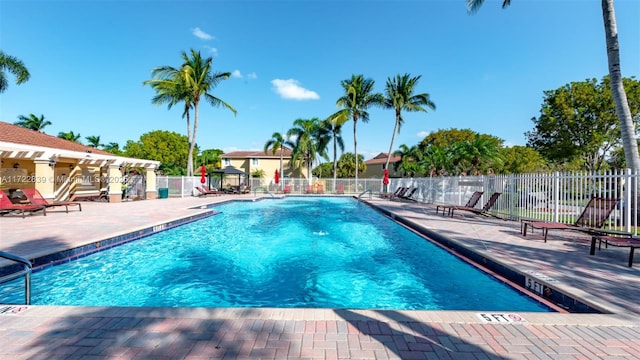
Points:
[(548, 196)]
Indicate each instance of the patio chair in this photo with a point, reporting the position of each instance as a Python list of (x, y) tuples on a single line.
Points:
[(340, 189), (591, 220), (8, 207), (205, 192), (309, 189), (36, 198), (629, 241), (408, 196), (473, 200), (287, 189), (485, 209), (320, 189), (395, 193)]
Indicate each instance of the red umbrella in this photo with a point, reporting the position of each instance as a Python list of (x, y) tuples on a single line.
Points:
[(277, 177), (203, 173), (385, 179)]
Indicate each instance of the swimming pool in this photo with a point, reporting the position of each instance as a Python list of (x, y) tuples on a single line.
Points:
[(325, 252)]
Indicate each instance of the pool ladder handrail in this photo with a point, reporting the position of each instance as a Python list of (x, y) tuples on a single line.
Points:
[(255, 191), (364, 192), (26, 272)]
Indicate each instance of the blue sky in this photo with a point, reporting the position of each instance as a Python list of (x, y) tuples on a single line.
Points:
[(486, 72)]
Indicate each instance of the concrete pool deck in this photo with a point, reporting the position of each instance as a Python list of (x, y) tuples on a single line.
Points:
[(603, 281)]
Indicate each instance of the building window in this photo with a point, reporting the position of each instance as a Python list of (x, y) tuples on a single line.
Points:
[(254, 162), (227, 162)]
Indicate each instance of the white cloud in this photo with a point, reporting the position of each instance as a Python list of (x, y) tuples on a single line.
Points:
[(197, 32), (422, 134), (291, 89), (211, 50), (236, 74), (252, 76)]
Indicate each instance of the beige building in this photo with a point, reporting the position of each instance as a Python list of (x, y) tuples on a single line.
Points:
[(375, 166), (65, 170), (251, 161)]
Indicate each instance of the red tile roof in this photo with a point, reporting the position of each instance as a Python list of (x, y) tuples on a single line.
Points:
[(18, 135), (382, 159), (256, 154)]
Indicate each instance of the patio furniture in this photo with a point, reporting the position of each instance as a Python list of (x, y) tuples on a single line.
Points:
[(473, 200), (205, 192), (630, 242), (408, 196), (287, 189), (7, 207), (36, 198), (340, 189), (485, 209), (590, 221)]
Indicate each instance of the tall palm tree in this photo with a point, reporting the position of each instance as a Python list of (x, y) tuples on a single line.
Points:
[(399, 96), (93, 141), (410, 160), (309, 142), (189, 84), (32, 122), (70, 136), (14, 66), (333, 127), (629, 142), (277, 143), (358, 97)]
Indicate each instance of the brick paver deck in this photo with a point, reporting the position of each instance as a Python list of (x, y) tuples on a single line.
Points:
[(603, 281)]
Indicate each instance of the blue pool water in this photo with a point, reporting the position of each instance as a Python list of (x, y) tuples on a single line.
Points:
[(324, 252)]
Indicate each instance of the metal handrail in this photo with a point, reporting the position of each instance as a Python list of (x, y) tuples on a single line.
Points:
[(255, 191), (26, 272), (364, 192)]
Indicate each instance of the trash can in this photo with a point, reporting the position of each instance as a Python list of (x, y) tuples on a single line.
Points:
[(163, 193)]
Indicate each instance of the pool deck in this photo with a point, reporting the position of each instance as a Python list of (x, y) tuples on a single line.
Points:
[(603, 281)]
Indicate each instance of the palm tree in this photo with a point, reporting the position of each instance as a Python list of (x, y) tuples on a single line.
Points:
[(112, 147), (93, 141), (13, 65), (70, 136), (189, 84), (358, 97), (333, 127), (399, 96), (32, 122), (473, 153), (309, 142), (629, 142), (277, 142), (410, 160)]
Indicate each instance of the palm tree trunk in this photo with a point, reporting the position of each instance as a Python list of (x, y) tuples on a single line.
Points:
[(335, 162), (393, 138), (355, 149), (192, 143), (629, 142), (281, 174)]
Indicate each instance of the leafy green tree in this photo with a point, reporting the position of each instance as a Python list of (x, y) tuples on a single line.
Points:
[(70, 136), (114, 148), (399, 96), (32, 122), (189, 84), (94, 141), (332, 126), (323, 170), (476, 156), (308, 144), (410, 163), (347, 165), (622, 109), (437, 160), (170, 148), (358, 97), (578, 121), (521, 160), (14, 66), (210, 158), (446, 137), (277, 143)]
